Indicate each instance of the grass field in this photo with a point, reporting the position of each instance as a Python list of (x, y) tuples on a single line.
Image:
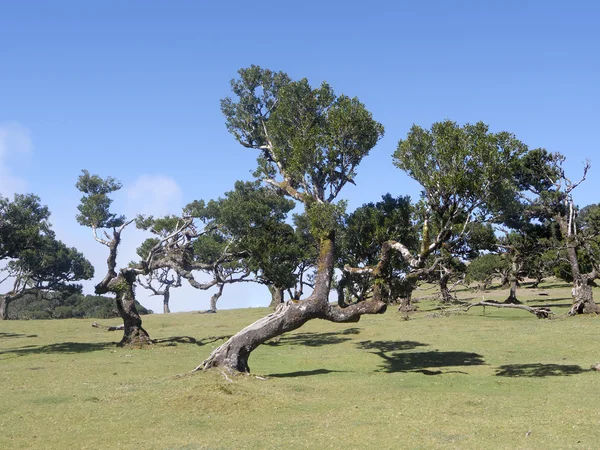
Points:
[(500, 380)]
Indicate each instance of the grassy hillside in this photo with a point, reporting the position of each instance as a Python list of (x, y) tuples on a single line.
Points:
[(500, 380)]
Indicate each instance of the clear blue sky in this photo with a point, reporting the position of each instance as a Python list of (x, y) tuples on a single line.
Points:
[(131, 89)]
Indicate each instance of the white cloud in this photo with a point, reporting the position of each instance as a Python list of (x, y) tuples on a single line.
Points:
[(154, 194), (15, 142)]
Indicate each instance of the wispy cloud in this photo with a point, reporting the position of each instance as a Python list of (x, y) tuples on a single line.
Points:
[(154, 194), (15, 143)]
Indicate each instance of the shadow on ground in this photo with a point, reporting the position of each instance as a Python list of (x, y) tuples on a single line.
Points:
[(396, 358), (16, 335), (314, 339), (59, 347), (538, 370), (85, 347), (302, 373), (175, 340)]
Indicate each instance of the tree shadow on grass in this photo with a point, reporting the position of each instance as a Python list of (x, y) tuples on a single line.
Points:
[(59, 347), (16, 335), (396, 360), (538, 370), (314, 339), (174, 340), (302, 373)]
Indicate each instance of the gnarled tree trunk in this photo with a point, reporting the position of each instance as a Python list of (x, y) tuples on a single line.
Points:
[(583, 296), (513, 281), (276, 296), (166, 298), (3, 307), (444, 291), (133, 332), (214, 298), (233, 354)]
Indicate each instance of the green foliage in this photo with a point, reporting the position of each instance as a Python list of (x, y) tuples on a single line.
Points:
[(461, 168), (486, 267), (52, 265), (23, 224), (248, 224), (311, 138), (369, 226), (325, 218), (94, 206)]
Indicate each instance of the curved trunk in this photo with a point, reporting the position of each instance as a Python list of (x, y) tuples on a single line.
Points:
[(233, 354), (166, 298), (133, 332), (444, 291), (214, 298), (276, 296)]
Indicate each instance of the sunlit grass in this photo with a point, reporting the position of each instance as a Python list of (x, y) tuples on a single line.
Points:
[(500, 380)]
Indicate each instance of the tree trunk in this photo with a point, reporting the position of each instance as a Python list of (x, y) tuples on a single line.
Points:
[(406, 305), (133, 333), (233, 354), (583, 296), (277, 294), (3, 308), (444, 291), (214, 298), (166, 298)]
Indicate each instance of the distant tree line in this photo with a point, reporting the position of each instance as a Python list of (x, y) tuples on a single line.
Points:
[(73, 306)]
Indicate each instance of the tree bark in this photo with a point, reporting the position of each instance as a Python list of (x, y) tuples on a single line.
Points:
[(3, 307), (233, 355), (214, 298), (166, 298), (540, 312), (583, 296), (133, 332), (276, 296), (444, 291)]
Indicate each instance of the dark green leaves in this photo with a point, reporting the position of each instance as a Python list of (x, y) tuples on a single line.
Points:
[(461, 167), (309, 139), (94, 207), (23, 223)]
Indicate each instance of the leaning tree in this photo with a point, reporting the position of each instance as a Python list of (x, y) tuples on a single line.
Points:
[(310, 142)]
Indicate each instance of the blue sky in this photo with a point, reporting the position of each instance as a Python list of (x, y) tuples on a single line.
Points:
[(132, 89)]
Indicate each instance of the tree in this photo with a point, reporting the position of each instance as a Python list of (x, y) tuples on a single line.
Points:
[(37, 261), (160, 283), (364, 232), (249, 237), (310, 142), (542, 174), (23, 224), (487, 267), (169, 250), (467, 177)]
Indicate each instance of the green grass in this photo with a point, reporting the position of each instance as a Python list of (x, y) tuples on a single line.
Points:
[(500, 380)]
